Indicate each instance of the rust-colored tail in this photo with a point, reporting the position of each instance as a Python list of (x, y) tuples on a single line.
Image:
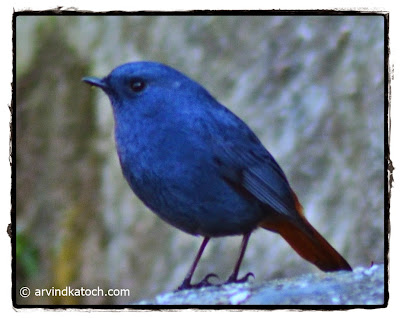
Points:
[(309, 244)]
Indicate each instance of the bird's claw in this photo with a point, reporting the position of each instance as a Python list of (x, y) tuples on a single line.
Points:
[(235, 280), (203, 283)]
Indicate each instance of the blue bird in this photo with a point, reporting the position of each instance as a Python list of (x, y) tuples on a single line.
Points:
[(201, 168)]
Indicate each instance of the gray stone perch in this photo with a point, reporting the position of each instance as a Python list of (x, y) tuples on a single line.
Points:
[(363, 286)]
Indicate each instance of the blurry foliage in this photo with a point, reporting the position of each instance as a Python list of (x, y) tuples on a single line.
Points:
[(27, 255)]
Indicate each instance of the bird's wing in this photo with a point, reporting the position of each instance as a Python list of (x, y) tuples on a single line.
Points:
[(247, 166)]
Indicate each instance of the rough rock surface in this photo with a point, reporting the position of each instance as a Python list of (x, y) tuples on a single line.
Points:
[(363, 286)]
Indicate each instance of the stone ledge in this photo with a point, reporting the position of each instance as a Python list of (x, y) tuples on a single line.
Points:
[(363, 287)]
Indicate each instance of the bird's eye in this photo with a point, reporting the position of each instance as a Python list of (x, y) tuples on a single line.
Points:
[(137, 85)]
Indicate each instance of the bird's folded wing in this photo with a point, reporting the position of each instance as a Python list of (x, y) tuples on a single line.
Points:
[(248, 165)]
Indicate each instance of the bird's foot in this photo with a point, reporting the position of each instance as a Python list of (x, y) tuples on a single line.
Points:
[(203, 283), (234, 280)]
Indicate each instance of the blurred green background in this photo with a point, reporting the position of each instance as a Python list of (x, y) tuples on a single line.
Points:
[(311, 87)]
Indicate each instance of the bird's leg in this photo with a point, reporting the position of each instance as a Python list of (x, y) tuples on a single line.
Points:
[(234, 276), (186, 282)]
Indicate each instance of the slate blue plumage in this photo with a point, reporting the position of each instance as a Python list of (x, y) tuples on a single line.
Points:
[(191, 160)]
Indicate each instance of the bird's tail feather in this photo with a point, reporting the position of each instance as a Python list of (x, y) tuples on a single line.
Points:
[(308, 243)]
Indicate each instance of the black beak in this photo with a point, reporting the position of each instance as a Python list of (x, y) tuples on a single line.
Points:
[(94, 81)]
